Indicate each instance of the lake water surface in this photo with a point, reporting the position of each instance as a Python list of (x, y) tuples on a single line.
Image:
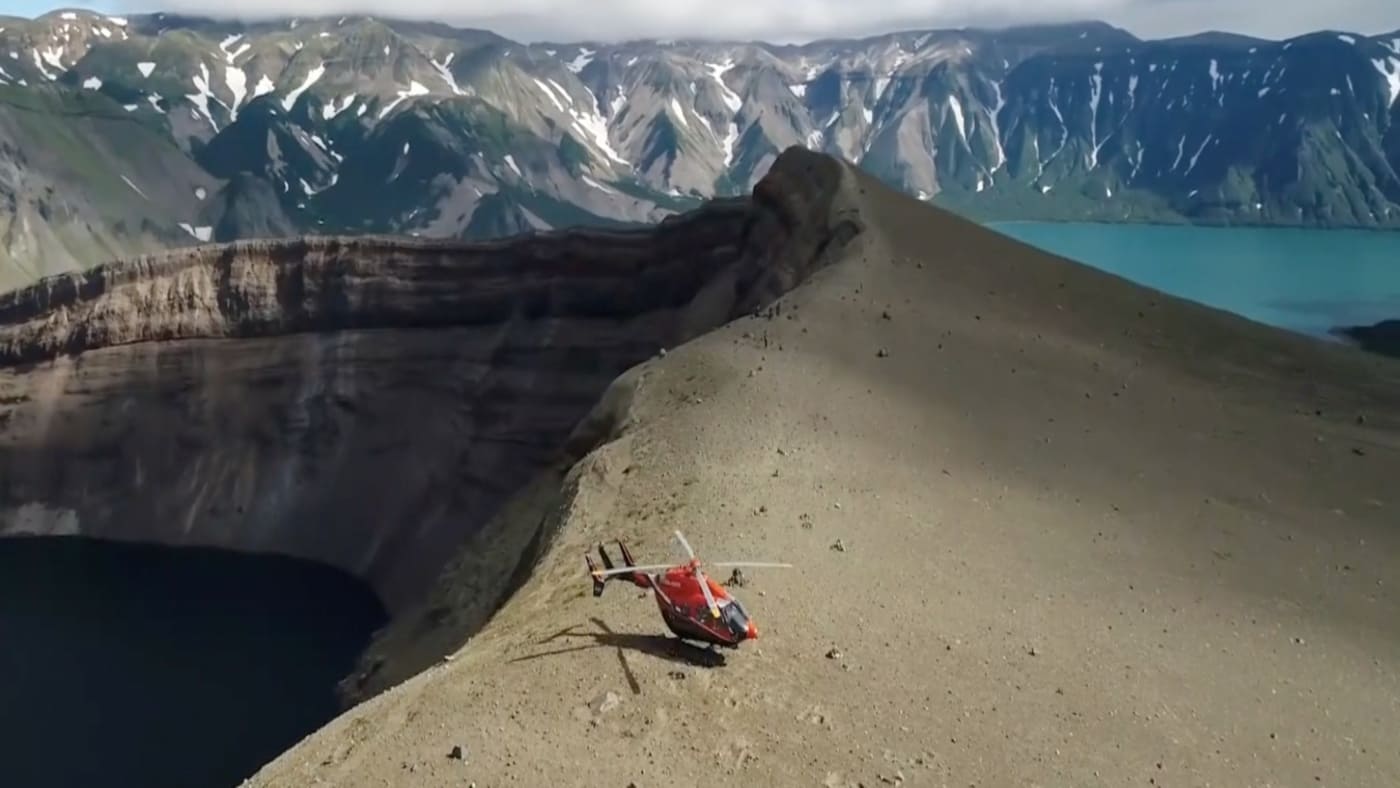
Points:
[(157, 667), (1308, 281)]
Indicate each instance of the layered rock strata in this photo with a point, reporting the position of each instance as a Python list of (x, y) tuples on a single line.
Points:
[(368, 402)]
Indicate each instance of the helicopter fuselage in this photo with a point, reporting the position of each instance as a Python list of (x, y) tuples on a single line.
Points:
[(687, 614), (681, 599)]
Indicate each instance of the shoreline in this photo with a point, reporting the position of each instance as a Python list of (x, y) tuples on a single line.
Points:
[(995, 223)]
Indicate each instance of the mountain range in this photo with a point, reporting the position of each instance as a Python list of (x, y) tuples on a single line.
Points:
[(123, 135)]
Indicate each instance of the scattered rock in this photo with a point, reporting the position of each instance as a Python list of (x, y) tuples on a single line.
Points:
[(882, 353), (839, 547), (606, 702), (834, 653), (459, 753), (736, 578), (886, 315)]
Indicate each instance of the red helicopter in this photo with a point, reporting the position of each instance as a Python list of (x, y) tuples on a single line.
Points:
[(693, 606)]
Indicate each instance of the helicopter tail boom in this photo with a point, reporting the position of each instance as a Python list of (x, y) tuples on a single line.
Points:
[(609, 570)]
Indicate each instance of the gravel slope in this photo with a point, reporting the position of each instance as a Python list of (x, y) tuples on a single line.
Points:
[(1092, 536)]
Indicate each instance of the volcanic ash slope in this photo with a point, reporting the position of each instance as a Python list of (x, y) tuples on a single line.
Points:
[(1049, 528)]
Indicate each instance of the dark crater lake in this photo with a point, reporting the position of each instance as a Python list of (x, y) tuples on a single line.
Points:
[(147, 666)]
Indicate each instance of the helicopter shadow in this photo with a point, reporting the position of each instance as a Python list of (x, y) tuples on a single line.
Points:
[(663, 647)]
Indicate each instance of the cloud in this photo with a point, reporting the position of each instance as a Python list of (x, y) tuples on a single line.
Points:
[(800, 20)]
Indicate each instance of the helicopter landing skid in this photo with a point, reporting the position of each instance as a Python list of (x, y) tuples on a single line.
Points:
[(706, 656)]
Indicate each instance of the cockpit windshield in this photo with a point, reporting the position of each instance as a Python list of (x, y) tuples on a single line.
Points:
[(735, 617)]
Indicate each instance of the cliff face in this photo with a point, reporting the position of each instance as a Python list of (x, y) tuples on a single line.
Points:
[(368, 402)]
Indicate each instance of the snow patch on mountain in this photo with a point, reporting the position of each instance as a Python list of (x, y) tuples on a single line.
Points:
[(415, 88), (201, 233), (237, 81), (39, 64), (995, 115), (593, 127), (731, 138), (1198, 153), (955, 107), (312, 78), (232, 54), (444, 71), (134, 187), (579, 63), (1095, 95), (1390, 69), (545, 89), (145, 67), (202, 95), (717, 72), (564, 94), (333, 109)]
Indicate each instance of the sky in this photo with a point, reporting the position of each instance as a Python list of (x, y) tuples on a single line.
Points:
[(783, 21)]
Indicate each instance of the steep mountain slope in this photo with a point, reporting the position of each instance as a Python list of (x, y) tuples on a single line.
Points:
[(354, 124), (81, 181), (991, 586)]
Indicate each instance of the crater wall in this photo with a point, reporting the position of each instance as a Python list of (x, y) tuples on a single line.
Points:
[(364, 402)]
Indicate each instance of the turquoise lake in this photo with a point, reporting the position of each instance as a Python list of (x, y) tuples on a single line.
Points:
[(1308, 281)]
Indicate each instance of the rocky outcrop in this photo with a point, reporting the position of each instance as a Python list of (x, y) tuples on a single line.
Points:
[(1382, 337), (363, 402)]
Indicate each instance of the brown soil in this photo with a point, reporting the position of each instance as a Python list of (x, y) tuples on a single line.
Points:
[(1092, 535)]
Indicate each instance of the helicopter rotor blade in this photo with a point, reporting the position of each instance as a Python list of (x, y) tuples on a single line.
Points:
[(705, 587), (752, 563), (625, 570), (689, 553)]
